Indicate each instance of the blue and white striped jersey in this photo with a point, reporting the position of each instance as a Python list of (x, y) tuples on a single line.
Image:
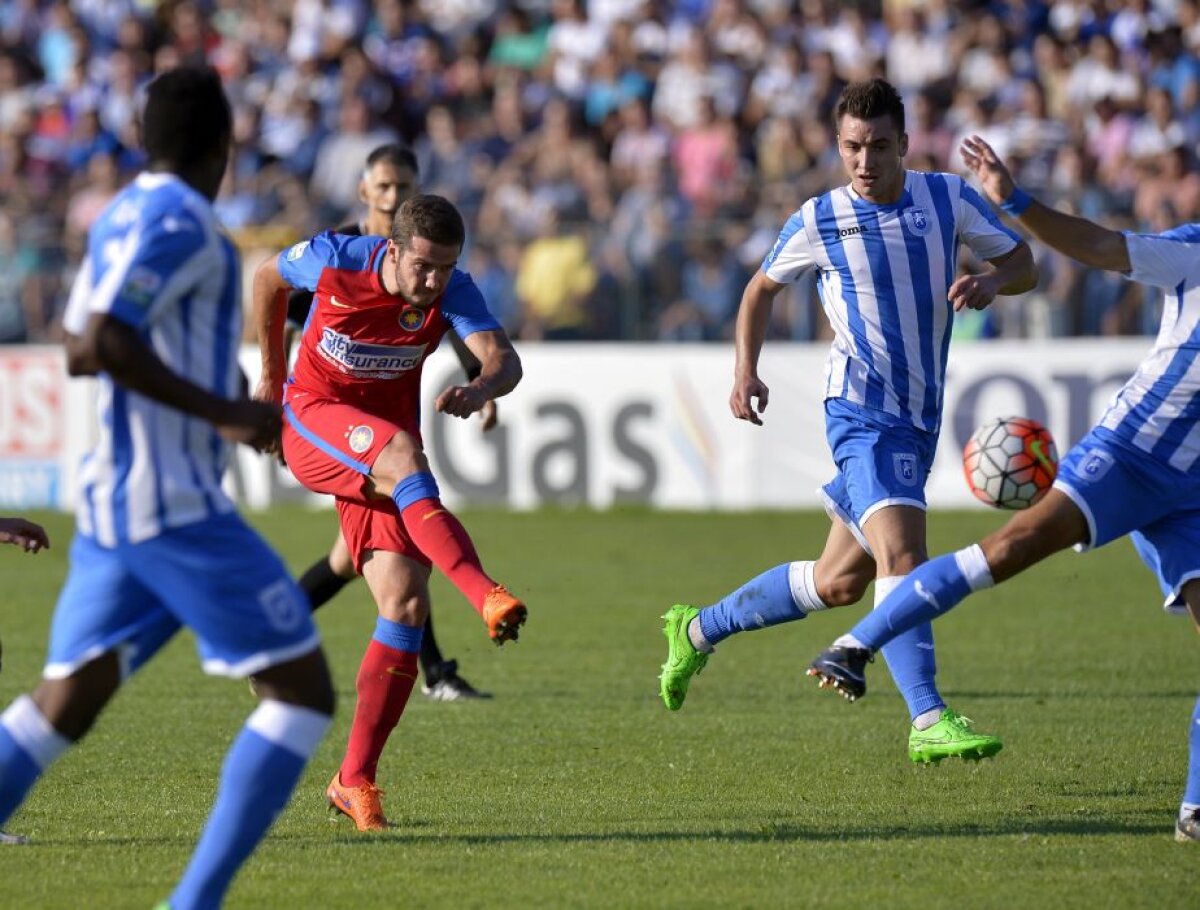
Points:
[(157, 260), (884, 275), (1157, 410)]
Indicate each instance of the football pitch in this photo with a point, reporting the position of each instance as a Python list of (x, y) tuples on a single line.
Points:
[(575, 787)]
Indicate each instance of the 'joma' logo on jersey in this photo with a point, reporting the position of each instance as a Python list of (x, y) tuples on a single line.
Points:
[(851, 231)]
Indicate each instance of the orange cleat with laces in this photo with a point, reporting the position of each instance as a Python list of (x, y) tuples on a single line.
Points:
[(361, 804)]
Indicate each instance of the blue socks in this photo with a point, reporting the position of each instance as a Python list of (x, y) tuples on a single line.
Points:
[(1191, 795), (925, 594), (414, 488), (28, 746), (398, 636), (763, 601), (260, 771), (910, 659)]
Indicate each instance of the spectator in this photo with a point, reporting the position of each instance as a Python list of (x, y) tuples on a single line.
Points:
[(554, 279)]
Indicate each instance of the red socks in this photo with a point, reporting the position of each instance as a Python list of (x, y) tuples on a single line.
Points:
[(385, 681), (442, 538)]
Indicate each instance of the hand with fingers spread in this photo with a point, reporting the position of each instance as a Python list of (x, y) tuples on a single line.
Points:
[(981, 159)]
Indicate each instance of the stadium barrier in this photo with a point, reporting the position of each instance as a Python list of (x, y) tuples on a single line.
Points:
[(604, 425)]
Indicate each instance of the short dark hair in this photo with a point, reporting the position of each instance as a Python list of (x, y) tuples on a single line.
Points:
[(868, 100), (394, 154), (432, 217), (187, 117)]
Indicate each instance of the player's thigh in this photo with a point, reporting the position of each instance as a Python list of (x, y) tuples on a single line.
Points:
[(400, 586), (222, 580), (331, 447), (374, 524), (104, 607), (896, 534)]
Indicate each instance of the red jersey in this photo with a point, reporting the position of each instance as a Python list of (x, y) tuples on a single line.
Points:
[(362, 345)]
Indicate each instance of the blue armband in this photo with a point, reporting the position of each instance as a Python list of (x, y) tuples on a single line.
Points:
[(1016, 203)]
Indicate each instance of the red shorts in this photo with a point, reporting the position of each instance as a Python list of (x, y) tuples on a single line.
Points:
[(330, 447)]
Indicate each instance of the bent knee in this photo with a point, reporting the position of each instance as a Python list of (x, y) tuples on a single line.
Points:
[(842, 590), (400, 458)]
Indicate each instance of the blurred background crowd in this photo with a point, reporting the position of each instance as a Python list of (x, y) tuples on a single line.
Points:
[(624, 165)]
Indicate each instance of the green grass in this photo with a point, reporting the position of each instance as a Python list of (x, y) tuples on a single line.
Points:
[(576, 788)]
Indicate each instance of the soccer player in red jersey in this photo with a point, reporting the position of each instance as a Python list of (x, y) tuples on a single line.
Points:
[(389, 177), (352, 430)]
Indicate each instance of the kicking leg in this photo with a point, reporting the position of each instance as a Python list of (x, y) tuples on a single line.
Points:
[(401, 471)]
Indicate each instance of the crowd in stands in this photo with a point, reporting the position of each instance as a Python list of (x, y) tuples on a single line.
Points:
[(624, 165)]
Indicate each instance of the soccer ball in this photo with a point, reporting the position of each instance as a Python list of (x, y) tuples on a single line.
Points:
[(1010, 462)]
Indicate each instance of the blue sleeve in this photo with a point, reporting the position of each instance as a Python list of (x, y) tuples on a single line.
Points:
[(161, 260), (464, 307), (980, 227), (301, 265)]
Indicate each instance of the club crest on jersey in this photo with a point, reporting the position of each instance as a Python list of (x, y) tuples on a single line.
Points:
[(360, 438), (918, 222), (412, 318), (905, 464)]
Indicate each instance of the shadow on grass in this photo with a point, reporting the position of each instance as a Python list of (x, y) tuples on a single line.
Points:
[(1046, 695), (771, 833)]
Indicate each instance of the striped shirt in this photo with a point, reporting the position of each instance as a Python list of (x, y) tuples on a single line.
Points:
[(157, 260), (1156, 411), (884, 272)]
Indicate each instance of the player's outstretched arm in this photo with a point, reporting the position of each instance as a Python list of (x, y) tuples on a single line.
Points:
[(754, 313), (1081, 239), (120, 351), (499, 372), (27, 535), (269, 311)]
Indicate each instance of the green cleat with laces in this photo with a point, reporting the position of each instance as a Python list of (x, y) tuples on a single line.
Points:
[(683, 660), (952, 736)]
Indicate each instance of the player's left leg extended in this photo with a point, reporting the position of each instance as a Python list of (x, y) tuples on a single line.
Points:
[(896, 535), (782, 594)]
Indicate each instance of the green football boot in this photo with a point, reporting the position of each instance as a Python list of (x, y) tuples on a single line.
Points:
[(683, 660), (951, 736)]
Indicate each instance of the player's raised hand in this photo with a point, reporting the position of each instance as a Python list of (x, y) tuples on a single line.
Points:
[(461, 400), (25, 534), (747, 390), (982, 160), (972, 292), (257, 424)]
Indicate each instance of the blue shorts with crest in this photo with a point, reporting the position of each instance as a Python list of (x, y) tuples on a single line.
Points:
[(1127, 491), (882, 460), (218, 577)]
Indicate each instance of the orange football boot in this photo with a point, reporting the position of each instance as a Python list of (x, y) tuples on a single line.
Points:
[(504, 615), (359, 803)]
